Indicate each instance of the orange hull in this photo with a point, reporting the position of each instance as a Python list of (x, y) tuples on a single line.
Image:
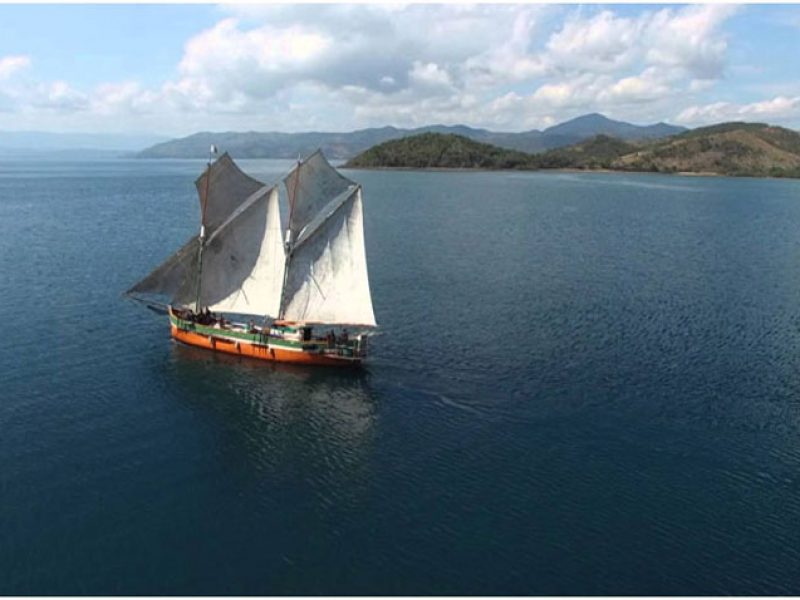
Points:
[(259, 351)]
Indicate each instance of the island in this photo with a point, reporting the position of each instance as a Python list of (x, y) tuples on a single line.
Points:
[(733, 149), (441, 151)]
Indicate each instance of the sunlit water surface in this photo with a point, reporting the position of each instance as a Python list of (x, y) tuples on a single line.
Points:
[(584, 384)]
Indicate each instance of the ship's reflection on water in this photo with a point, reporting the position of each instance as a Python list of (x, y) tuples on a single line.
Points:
[(277, 417)]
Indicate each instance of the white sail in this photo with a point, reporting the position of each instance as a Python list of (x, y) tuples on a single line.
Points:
[(243, 260), (310, 186), (327, 280), (243, 267), (174, 280), (222, 188)]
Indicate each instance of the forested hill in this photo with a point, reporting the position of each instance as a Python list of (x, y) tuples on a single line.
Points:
[(441, 151), (752, 149)]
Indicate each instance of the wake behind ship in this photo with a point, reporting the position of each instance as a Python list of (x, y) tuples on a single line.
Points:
[(296, 294)]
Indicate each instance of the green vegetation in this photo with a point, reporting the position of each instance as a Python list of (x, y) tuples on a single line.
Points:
[(739, 149), (441, 151), (596, 153)]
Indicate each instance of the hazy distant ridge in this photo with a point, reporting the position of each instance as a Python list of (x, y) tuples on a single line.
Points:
[(39, 141), (345, 145)]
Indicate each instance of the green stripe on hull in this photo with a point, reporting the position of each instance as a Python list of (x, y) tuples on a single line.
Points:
[(244, 336), (250, 338)]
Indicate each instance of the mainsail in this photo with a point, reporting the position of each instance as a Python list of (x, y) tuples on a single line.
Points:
[(326, 269), (240, 264), (326, 280), (242, 270)]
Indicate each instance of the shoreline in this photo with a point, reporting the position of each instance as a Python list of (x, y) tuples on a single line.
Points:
[(567, 170)]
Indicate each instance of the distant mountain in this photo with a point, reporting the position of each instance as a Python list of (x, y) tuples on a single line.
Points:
[(31, 142), (345, 145), (752, 149), (291, 145), (593, 124), (253, 144)]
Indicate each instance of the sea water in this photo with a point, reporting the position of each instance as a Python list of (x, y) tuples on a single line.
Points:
[(582, 384)]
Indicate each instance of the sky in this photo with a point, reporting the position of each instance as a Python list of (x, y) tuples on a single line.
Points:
[(173, 70)]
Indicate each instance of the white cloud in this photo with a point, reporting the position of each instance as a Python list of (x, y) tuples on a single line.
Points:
[(700, 85), (58, 96), (602, 43), (635, 88), (629, 66), (9, 65), (510, 58), (124, 98), (412, 59), (689, 40), (226, 46), (225, 63), (778, 109), (429, 75), (294, 67), (25, 97)]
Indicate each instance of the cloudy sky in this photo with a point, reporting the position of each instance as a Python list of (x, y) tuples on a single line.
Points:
[(176, 69)]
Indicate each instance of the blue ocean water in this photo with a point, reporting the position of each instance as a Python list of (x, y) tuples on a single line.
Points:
[(584, 384)]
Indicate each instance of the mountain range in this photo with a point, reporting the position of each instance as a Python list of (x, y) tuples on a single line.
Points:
[(345, 145), (740, 149)]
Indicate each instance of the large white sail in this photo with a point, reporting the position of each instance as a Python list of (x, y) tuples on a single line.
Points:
[(310, 186), (222, 188), (243, 260), (327, 280)]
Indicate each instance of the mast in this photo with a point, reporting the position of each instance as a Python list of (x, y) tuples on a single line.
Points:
[(325, 270), (288, 243), (212, 151), (233, 263)]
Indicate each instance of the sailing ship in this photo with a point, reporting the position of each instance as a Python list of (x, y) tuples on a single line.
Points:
[(304, 283)]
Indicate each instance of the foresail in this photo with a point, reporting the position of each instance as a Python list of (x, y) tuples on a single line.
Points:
[(222, 188), (243, 260), (174, 280), (327, 281), (310, 187)]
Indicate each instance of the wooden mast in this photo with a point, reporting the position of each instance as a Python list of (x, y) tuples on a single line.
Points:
[(211, 152), (288, 243)]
